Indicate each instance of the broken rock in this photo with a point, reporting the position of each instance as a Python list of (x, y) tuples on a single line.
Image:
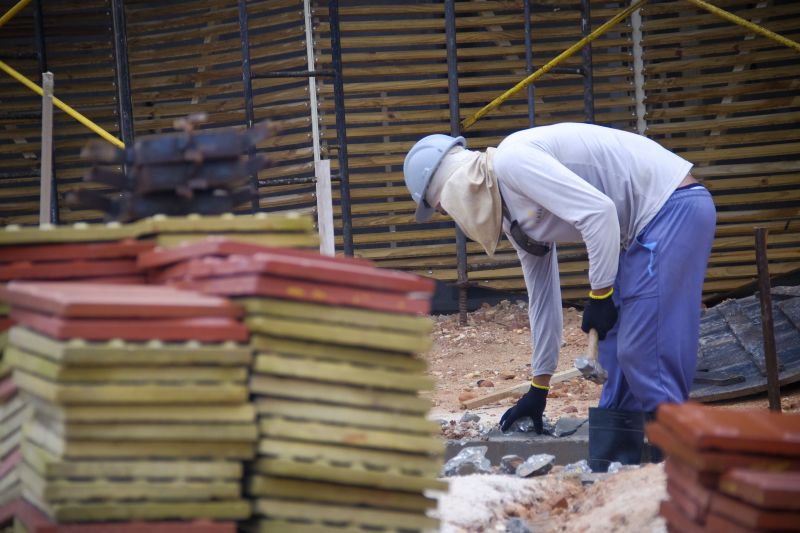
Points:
[(471, 460), (518, 525), (466, 396), (536, 465), (470, 417), (567, 426), (509, 463)]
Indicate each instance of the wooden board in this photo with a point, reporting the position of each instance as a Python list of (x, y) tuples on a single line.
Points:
[(133, 432), (29, 519), (365, 518), (49, 466), (53, 491), (316, 432), (322, 351), (299, 389), (336, 315), (43, 437), (339, 334), (292, 289), (53, 371), (203, 329), (231, 414), (389, 469), (295, 489), (224, 393), (519, 390), (93, 512), (336, 414), (88, 300), (117, 352), (257, 223), (338, 372), (289, 240)]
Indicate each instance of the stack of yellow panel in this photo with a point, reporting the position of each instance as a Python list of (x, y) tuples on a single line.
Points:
[(13, 413), (140, 402), (344, 441), (268, 229)]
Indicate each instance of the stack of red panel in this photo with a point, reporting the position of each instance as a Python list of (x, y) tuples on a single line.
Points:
[(729, 470), (139, 402)]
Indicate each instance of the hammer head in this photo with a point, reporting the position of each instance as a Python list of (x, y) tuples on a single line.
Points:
[(590, 369)]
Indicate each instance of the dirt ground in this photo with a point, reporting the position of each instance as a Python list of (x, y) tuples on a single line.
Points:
[(491, 352)]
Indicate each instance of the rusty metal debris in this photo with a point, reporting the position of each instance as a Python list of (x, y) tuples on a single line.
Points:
[(188, 171)]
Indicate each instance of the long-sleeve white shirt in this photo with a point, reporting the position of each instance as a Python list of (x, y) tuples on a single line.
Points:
[(574, 182)]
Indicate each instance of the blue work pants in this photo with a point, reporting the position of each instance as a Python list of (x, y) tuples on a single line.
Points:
[(651, 353)]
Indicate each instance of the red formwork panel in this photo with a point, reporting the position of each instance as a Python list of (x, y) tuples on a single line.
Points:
[(64, 252), (7, 512), (749, 431), (677, 467), (304, 268), (690, 508), (715, 461), (219, 246), (202, 329), (690, 496), (676, 520), (722, 524), (771, 490), (748, 515), (114, 301), (11, 460), (61, 270), (36, 522), (290, 289), (116, 280), (7, 388)]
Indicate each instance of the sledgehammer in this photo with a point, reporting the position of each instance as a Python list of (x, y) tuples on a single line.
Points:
[(590, 366)]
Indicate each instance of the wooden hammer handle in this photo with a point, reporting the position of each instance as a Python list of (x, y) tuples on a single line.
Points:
[(593, 340)]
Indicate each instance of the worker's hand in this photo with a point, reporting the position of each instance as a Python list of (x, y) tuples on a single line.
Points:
[(531, 404), (600, 314)]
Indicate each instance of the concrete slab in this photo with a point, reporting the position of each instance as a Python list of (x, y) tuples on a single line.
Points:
[(567, 449)]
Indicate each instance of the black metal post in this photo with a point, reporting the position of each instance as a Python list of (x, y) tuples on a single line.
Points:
[(455, 131), (529, 62), (124, 106), (767, 329), (247, 82), (341, 126), (586, 53), (41, 56)]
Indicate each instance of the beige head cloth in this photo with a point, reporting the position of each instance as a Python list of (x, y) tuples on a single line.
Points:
[(466, 187)]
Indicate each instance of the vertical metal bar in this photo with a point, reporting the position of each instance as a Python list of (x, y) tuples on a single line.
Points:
[(529, 62), (341, 126), (455, 130), (41, 55), (586, 53), (638, 71), (124, 105), (46, 162), (247, 83), (312, 81), (767, 329)]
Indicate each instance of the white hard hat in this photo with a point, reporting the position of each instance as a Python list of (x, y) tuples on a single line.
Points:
[(420, 165)]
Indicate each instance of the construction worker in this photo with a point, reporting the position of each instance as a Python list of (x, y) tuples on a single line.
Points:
[(648, 226)]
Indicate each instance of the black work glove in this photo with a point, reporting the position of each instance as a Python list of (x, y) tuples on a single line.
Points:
[(531, 404), (599, 314)]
